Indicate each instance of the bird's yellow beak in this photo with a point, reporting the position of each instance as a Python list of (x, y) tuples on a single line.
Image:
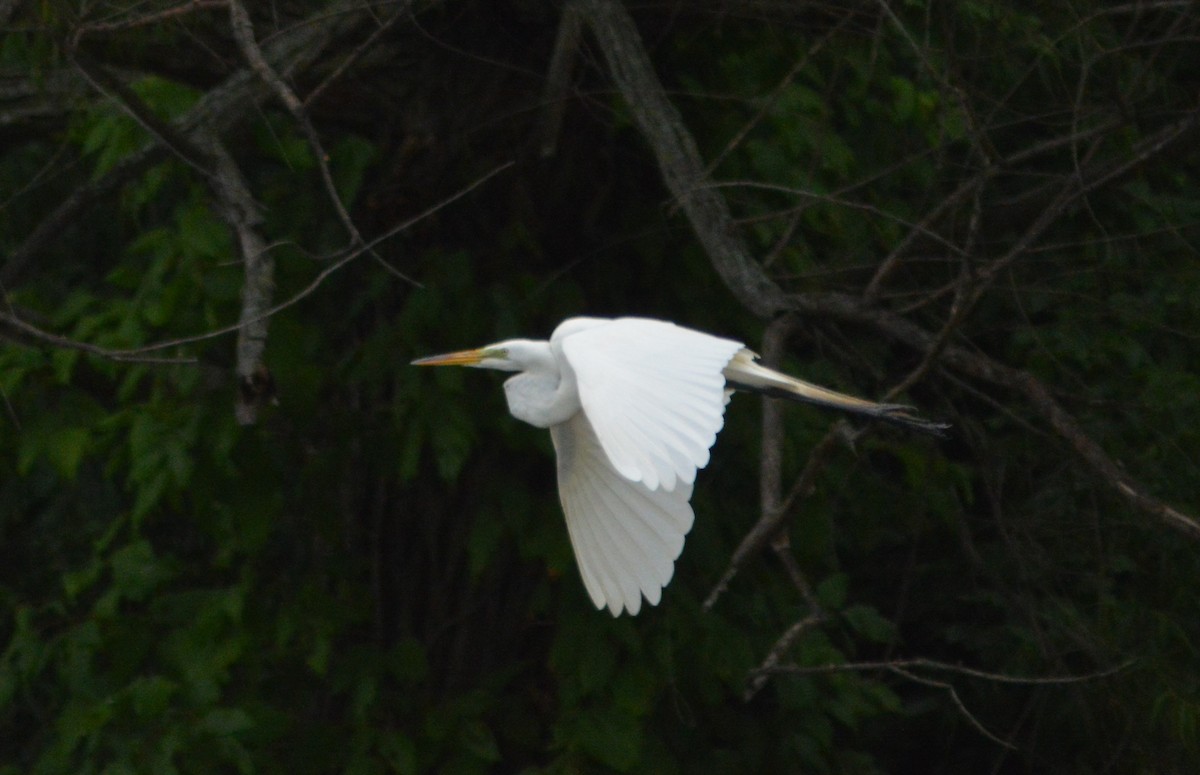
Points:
[(460, 358)]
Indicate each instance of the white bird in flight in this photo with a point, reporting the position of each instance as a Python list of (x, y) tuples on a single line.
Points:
[(633, 406)]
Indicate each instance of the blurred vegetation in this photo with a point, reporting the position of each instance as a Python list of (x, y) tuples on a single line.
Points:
[(375, 576)]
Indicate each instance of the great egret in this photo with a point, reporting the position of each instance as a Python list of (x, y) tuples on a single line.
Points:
[(633, 406)]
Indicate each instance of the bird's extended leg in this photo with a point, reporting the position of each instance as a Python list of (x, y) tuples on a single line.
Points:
[(743, 372)]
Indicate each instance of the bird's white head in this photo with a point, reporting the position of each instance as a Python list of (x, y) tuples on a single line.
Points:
[(509, 355)]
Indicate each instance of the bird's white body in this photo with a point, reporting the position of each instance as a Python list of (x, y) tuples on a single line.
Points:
[(633, 406)]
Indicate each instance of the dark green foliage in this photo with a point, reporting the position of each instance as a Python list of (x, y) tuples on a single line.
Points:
[(376, 577)]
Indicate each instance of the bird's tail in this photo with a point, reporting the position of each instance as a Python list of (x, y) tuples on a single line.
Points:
[(744, 373)]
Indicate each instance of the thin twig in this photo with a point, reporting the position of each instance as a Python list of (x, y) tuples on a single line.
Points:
[(166, 14), (904, 668), (169, 135), (834, 199), (353, 57), (772, 98), (243, 33), (958, 703), (947, 667), (770, 663), (65, 343)]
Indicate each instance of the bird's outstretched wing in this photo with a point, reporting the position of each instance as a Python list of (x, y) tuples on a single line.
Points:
[(653, 392), (626, 536)]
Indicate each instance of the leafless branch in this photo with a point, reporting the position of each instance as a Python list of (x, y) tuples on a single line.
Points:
[(947, 667), (782, 645), (243, 33), (920, 228), (240, 212), (66, 343), (958, 704)]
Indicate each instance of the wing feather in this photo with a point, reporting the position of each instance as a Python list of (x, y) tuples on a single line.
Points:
[(625, 557), (654, 393), (626, 536)]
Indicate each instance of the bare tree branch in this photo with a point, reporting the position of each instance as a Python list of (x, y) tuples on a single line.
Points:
[(678, 157), (65, 343), (958, 703), (240, 211), (947, 667)]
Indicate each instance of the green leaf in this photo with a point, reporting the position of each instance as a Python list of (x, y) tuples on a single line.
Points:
[(136, 570), (80, 719), (64, 364), (166, 97), (610, 737), (77, 581), (868, 622), (226, 721), (832, 591), (151, 694), (65, 449)]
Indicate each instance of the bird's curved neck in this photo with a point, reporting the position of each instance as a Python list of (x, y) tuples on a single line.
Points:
[(544, 393)]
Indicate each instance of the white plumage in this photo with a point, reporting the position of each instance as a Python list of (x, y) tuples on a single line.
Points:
[(633, 406)]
